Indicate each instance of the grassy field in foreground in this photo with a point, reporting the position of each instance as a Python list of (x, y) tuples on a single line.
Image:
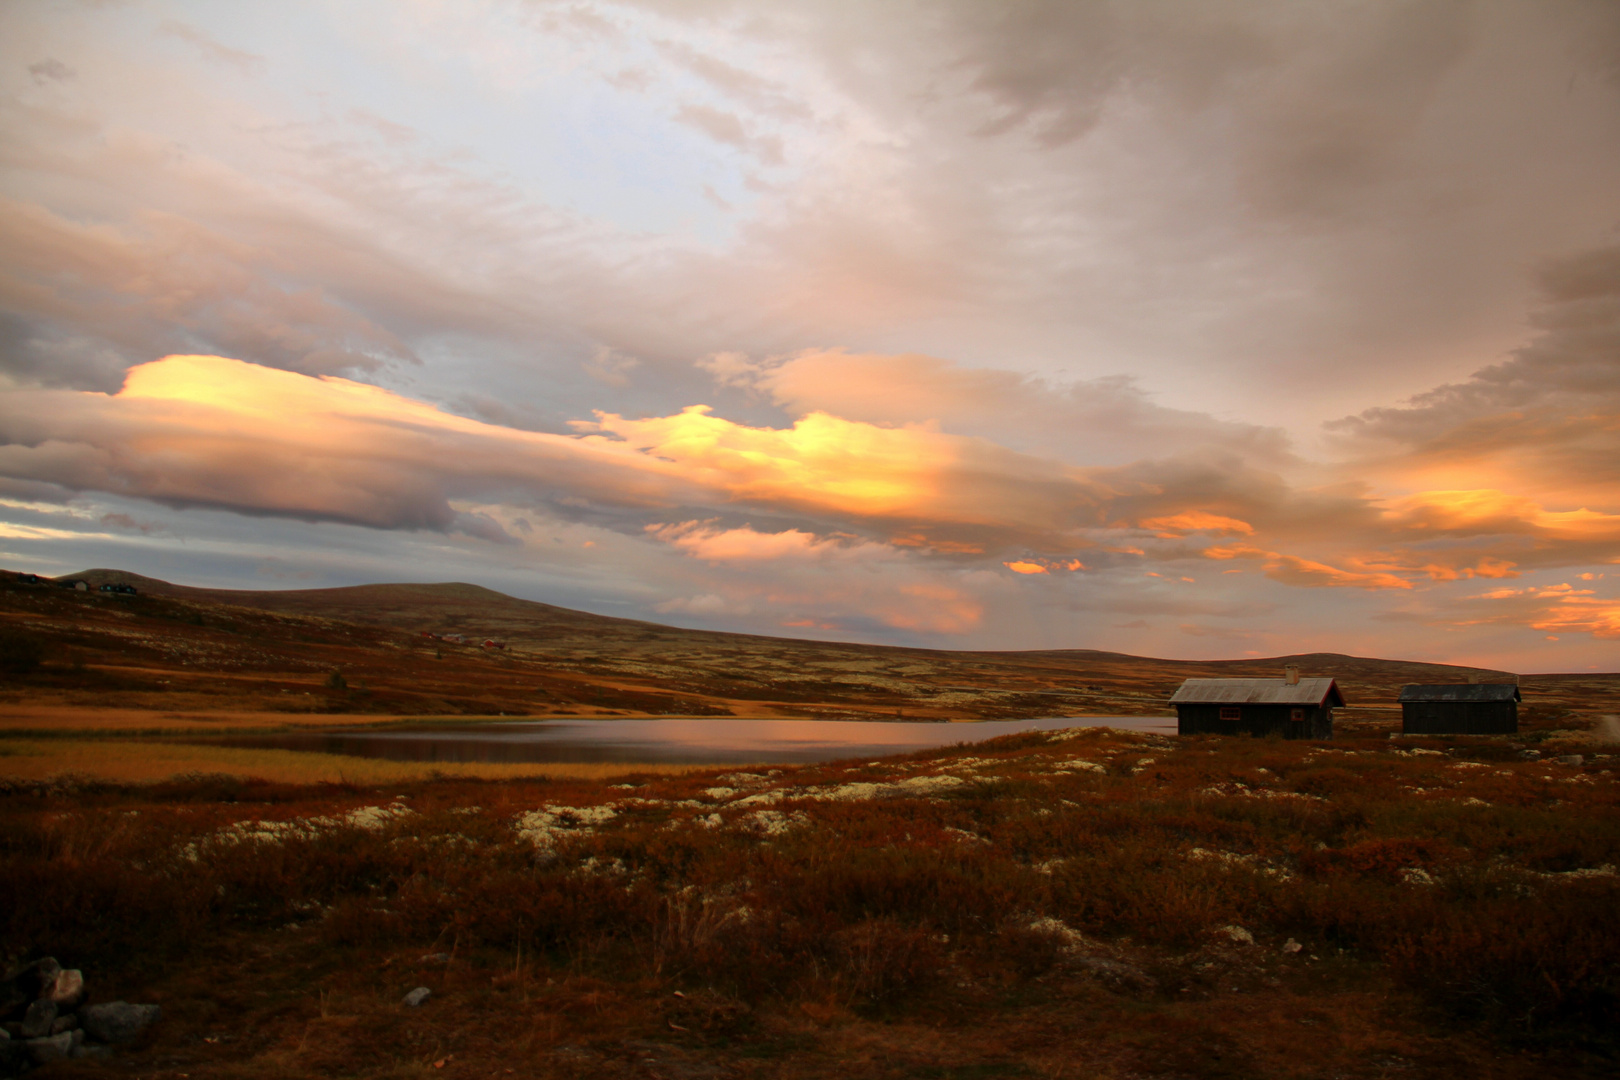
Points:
[(130, 760), (1093, 903)]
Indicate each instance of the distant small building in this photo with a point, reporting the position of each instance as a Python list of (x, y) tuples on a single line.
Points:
[(78, 584), (491, 643), (120, 590), (30, 579), (1292, 707), (1461, 709)]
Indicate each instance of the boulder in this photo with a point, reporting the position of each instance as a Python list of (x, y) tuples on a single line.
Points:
[(13, 1057), (417, 996), (63, 1023), (38, 1019), (22, 985), (66, 989), (36, 976), (117, 1021), (51, 1048)]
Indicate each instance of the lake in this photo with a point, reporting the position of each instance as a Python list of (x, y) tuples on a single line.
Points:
[(669, 740)]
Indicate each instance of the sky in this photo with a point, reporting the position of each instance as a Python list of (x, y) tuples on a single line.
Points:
[(1181, 328)]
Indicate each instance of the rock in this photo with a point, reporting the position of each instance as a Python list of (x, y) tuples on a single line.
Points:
[(38, 975), (51, 1048), (67, 989), (1570, 759), (1237, 935), (39, 1018), (63, 1023), (117, 1021), (1291, 946), (22, 985), (417, 996), (13, 1057), (90, 1050)]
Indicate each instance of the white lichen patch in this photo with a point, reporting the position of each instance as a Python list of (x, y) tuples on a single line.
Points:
[(1232, 860), (720, 792), (924, 785), (774, 822), (545, 826), (369, 818), (1071, 938)]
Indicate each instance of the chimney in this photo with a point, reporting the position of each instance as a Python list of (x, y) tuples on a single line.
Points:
[(1292, 672)]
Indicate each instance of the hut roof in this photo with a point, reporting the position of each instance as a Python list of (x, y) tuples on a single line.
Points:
[(1462, 692), (1317, 692)]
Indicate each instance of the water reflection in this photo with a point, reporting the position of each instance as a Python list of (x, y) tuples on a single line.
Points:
[(672, 741)]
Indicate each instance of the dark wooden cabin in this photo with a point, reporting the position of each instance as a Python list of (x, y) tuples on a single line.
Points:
[(1292, 707), (1460, 709)]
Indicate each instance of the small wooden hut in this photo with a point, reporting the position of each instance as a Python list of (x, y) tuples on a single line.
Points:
[(1460, 709), (1292, 707)]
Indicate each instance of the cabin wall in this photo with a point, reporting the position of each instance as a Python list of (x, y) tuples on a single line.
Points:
[(1255, 719), (1460, 717)]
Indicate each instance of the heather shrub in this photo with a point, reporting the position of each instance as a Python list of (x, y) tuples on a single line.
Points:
[(1529, 962), (880, 959), (21, 651)]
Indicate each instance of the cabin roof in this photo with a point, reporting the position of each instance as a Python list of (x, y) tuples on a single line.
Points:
[(1462, 692), (1317, 692)]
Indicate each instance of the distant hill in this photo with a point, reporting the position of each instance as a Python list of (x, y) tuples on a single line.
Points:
[(266, 649)]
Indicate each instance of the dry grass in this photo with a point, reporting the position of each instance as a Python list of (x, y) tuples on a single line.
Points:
[(140, 761), (1027, 907)]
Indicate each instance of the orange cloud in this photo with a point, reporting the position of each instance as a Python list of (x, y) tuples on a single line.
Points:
[(1022, 567), (1198, 521), (702, 541), (1292, 570), (1559, 608), (1488, 510), (825, 464)]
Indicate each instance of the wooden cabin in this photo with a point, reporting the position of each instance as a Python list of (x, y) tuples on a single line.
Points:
[(1460, 709), (1292, 707)]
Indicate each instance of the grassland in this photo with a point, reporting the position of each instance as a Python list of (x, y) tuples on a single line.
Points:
[(1104, 904), (1091, 903), (176, 652)]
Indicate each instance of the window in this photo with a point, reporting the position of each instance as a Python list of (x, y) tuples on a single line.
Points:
[(1231, 712), (1297, 716)]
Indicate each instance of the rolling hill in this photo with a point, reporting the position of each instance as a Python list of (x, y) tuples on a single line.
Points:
[(367, 649)]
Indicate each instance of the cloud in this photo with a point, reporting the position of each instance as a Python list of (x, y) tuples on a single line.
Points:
[(725, 127), (50, 70), (250, 63), (1100, 421), (1549, 416)]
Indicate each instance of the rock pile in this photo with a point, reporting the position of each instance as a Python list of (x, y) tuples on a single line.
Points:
[(43, 1018)]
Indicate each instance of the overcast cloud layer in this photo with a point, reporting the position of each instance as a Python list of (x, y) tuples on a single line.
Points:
[(1191, 329)]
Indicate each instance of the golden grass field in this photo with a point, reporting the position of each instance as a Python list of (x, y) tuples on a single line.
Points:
[(140, 761), (1090, 904)]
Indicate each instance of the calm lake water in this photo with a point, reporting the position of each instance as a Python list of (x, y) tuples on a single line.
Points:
[(673, 741)]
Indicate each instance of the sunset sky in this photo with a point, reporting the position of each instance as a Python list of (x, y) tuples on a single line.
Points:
[(1180, 328)]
